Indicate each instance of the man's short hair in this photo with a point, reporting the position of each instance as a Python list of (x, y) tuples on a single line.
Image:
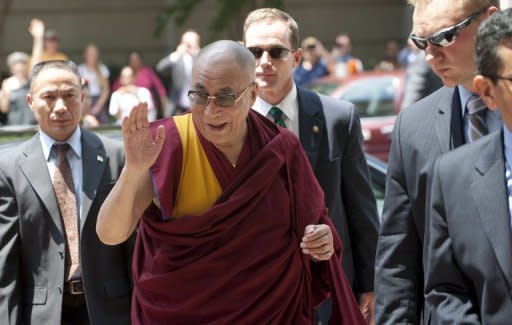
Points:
[(271, 15), (492, 33), (474, 4), (56, 64)]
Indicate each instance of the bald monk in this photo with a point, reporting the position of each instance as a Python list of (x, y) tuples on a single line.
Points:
[(232, 226)]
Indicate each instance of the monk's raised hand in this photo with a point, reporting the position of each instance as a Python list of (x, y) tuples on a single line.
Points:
[(318, 242), (141, 148)]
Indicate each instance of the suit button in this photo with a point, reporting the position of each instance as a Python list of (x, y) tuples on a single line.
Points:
[(61, 253), (60, 289)]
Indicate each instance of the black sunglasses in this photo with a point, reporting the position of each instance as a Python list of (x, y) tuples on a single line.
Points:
[(275, 52), (446, 36)]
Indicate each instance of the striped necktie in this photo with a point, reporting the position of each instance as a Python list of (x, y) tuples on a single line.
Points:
[(277, 115), (477, 127)]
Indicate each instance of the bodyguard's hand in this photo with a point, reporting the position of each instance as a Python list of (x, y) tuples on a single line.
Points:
[(141, 149), (318, 242)]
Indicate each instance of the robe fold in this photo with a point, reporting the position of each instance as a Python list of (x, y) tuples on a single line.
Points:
[(225, 249)]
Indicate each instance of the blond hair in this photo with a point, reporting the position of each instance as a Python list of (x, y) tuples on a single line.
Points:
[(273, 15)]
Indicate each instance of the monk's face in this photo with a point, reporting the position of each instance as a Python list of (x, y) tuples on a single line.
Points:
[(225, 127)]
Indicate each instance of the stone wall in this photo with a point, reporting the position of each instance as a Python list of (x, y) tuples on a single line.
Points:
[(120, 26)]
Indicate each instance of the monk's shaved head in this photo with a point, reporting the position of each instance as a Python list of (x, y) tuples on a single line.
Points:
[(241, 58)]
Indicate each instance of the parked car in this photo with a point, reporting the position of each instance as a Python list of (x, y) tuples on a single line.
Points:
[(377, 97)]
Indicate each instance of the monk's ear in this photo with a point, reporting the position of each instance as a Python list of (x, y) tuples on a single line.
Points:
[(254, 92), (486, 89)]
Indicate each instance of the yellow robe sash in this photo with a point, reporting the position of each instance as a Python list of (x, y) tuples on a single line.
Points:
[(198, 188)]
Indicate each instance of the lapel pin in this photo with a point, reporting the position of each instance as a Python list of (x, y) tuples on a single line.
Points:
[(316, 129), (100, 158)]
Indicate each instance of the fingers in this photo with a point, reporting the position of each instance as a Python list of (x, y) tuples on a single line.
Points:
[(160, 135), (318, 242)]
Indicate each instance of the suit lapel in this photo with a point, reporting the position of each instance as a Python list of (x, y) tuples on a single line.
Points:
[(449, 120), (93, 165), (490, 195), (35, 169), (311, 123)]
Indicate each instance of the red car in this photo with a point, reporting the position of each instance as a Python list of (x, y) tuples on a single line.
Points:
[(377, 97)]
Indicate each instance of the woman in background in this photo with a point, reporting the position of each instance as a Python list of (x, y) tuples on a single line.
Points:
[(128, 96), (96, 74)]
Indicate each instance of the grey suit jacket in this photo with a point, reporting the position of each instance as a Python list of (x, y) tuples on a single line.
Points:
[(32, 238), (176, 73), (422, 132), (330, 133), (468, 269)]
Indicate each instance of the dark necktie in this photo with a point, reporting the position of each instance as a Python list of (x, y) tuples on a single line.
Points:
[(65, 192), (277, 115), (477, 127)]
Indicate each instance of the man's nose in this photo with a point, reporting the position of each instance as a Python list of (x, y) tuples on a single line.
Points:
[(265, 58), (432, 52), (60, 106)]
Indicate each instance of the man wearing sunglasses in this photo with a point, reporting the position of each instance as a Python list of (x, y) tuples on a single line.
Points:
[(446, 31), (330, 132), (468, 243)]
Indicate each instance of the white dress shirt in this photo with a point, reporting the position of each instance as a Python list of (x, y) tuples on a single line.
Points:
[(289, 105), (74, 157)]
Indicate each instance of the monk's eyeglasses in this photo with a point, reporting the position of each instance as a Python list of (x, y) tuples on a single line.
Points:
[(446, 36), (201, 98)]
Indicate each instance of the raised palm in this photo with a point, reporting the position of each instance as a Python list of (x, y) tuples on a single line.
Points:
[(141, 148)]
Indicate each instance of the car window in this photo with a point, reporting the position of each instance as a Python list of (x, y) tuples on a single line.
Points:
[(325, 88), (372, 96)]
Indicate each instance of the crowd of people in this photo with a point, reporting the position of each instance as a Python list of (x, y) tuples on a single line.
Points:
[(169, 82), (253, 205)]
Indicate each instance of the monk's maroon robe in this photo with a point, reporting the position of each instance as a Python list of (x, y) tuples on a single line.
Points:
[(239, 262)]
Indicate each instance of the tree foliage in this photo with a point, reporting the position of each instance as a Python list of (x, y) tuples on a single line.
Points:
[(229, 10)]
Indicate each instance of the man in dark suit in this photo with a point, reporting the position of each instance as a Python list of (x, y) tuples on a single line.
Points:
[(422, 132), (468, 239), (54, 268), (330, 133), (177, 69)]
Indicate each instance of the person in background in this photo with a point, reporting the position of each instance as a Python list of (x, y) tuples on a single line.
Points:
[(420, 81), (390, 60), (46, 43), (145, 77), (343, 63), (312, 66), (128, 96), (178, 65), (14, 90), (96, 74)]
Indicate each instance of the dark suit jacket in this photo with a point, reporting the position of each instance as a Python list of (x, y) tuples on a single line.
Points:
[(422, 132), (330, 133), (32, 238), (468, 269)]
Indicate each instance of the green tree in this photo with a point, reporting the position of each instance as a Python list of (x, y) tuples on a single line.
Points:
[(229, 11)]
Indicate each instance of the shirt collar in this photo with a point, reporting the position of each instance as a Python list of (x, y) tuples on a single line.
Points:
[(287, 105), (73, 141), (507, 139), (464, 95)]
